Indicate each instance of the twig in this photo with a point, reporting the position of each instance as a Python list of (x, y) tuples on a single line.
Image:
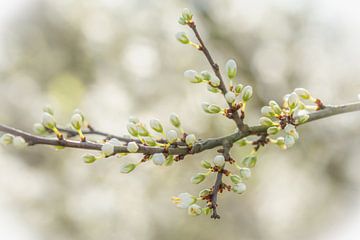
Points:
[(199, 146), (235, 115)]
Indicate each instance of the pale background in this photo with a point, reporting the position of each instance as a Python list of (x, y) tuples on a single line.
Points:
[(114, 58)]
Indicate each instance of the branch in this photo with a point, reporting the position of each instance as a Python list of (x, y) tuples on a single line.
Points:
[(235, 116), (200, 146)]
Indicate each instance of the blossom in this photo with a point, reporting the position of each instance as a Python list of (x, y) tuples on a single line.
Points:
[(183, 200)]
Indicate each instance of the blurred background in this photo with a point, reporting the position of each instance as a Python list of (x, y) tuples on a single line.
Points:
[(116, 58)]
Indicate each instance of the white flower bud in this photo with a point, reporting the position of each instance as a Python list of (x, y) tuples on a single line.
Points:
[(182, 37), (206, 75), (303, 93), (265, 121), (198, 178), (89, 158), (273, 130), (215, 81), (39, 129), (293, 100), (239, 88), (115, 142), (291, 130), (205, 164), (107, 149), (280, 141), (231, 68), (212, 89), (171, 136), (48, 120), (267, 111), (275, 107), (132, 129), (149, 141), (245, 173), (134, 120), (239, 188), (142, 130), (48, 109), (212, 108), (302, 119), (158, 159), (230, 97), (174, 119), (76, 121), (249, 161), (235, 178), (193, 76), (127, 168), (190, 139), (187, 14), (183, 200), (194, 210), (19, 142), (219, 160), (247, 93), (289, 141), (6, 139), (132, 147), (155, 124), (205, 192)]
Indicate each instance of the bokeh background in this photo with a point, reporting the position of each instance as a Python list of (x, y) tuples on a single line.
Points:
[(115, 58)]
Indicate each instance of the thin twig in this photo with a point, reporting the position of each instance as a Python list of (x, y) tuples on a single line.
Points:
[(235, 115)]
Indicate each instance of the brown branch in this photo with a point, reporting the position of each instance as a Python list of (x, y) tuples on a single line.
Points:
[(235, 115)]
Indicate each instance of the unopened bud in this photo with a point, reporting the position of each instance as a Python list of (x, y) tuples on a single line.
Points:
[(231, 68), (303, 93), (193, 76), (19, 142), (198, 178), (171, 136), (174, 119), (219, 160), (212, 108), (239, 88), (265, 121), (205, 164), (39, 129), (235, 178), (249, 161), (194, 210), (239, 188), (245, 173), (76, 121), (155, 124), (190, 139), (230, 97), (275, 107), (293, 100), (48, 120), (6, 139), (247, 93), (182, 37), (158, 158), (127, 168), (107, 149), (273, 130), (89, 158), (267, 111), (132, 147), (132, 129), (214, 81)]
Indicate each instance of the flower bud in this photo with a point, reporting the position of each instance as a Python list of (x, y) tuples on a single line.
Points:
[(291, 130), (206, 75), (174, 119), (235, 178), (142, 130), (169, 160), (19, 142), (171, 136), (6, 139), (48, 109), (239, 188), (39, 129), (280, 141), (193, 76), (273, 130), (302, 119), (48, 120), (219, 160), (149, 141), (156, 125), (231, 68), (79, 112), (212, 89), (230, 97), (206, 210), (293, 100), (190, 139), (275, 107), (198, 178), (245, 173), (182, 37), (214, 108), (107, 149), (158, 159), (289, 140), (205, 164), (134, 120), (132, 129), (242, 142), (267, 111), (205, 192), (132, 147), (247, 93), (76, 121), (239, 88), (215, 81), (303, 93), (115, 142), (89, 158), (249, 161), (205, 107), (127, 168), (187, 15), (265, 121), (194, 210)]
